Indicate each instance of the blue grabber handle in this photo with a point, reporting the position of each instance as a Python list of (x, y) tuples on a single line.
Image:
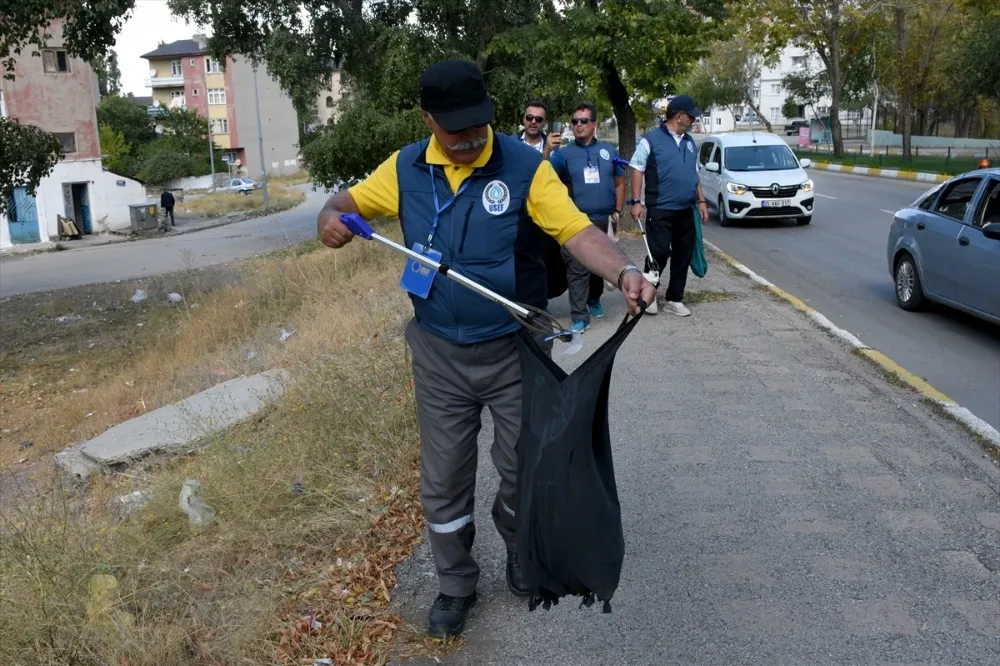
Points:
[(621, 162), (357, 225)]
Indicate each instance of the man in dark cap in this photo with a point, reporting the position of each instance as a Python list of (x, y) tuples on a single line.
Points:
[(668, 159), (481, 202)]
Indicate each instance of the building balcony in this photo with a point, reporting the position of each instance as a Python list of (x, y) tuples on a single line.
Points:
[(164, 81)]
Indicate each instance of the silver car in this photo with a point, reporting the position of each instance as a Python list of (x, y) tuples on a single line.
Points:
[(945, 247)]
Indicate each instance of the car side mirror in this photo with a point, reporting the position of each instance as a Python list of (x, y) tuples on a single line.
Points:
[(713, 166), (992, 230), (805, 163)]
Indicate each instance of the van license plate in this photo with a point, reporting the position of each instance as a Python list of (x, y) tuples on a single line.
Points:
[(775, 203)]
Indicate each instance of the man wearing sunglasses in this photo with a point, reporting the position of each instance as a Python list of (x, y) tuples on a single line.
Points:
[(597, 186), (535, 113), (484, 204)]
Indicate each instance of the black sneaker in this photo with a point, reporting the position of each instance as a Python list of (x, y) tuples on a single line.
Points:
[(447, 616), (515, 579)]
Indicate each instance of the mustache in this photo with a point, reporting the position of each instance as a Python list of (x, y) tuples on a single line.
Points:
[(472, 144)]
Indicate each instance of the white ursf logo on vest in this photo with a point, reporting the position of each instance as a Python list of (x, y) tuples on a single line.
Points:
[(496, 197), (605, 155)]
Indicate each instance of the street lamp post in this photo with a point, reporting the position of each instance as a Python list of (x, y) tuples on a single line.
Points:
[(211, 152), (260, 138)]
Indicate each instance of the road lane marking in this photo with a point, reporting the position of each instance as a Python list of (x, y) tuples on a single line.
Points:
[(825, 196), (966, 418), (891, 212)]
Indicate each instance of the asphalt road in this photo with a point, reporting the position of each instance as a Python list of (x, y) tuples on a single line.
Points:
[(157, 256), (838, 266)]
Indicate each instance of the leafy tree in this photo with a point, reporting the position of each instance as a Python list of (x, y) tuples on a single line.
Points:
[(129, 118), (185, 132), (29, 154), (836, 30), (359, 140), (710, 86), (790, 107), (161, 166), (115, 153), (109, 76), (89, 28)]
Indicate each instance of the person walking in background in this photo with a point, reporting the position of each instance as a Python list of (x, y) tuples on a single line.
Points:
[(167, 204), (597, 186), (667, 159), (535, 116), (481, 202)]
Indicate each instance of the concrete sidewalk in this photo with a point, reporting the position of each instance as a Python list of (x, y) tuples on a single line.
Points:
[(783, 505)]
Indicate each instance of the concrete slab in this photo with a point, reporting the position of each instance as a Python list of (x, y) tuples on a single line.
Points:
[(72, 461), (182, 423)]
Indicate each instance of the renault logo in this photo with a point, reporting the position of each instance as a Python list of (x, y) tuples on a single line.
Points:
[(775, 189)]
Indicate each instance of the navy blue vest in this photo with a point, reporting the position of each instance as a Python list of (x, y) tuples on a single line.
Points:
[(486, 235), (671, 171), (597, 200)]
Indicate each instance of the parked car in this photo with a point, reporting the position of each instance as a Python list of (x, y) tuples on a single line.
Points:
[(945, 247), (793, 126), (754, 175), (241, 185)]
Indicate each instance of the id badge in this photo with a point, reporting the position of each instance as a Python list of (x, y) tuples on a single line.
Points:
[(418, 278), (591, 175)]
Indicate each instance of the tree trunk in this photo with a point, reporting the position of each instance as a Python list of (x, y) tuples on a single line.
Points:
[(756, 110), (905, 85), (618, 95)]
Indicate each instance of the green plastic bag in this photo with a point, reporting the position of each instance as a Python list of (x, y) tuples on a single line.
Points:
[(699, 264)]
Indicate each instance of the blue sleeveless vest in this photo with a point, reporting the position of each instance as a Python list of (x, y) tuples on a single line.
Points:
[(671, 171), (597, 200), (486, 235)]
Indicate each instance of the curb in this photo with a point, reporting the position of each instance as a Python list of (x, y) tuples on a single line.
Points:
[(963, 416), (873, 172)]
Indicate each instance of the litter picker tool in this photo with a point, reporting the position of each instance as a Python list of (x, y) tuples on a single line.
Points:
[(652, 271), (534, 319)]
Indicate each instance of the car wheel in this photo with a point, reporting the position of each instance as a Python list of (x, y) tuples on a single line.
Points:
[(909, 291), (723, 216), (803, 221)]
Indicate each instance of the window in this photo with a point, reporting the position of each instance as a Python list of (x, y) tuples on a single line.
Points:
[(219, 126), (216, 95), (191, 62), (3, 106), (775, 112), (756, 92), (67, 141), (176, 93), (989, 209), (821, 110), (799, 62), (55, 60), (175, 68), (194, 91), (705, 152), (718, 121), (760, 158), (775, 88), (955, 200), (329, 101), (212, 66)]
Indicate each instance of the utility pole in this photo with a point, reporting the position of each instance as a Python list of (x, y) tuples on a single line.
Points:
[(260, 138), (211, 152)]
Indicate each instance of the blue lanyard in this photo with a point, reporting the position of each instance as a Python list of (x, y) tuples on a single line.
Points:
[(438, 208)]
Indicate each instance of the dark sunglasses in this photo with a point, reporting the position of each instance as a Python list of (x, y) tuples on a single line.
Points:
[(581, 121), (533, 119), (465, 129)]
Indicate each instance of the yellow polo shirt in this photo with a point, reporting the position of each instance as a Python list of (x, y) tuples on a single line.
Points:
[(549, 204)]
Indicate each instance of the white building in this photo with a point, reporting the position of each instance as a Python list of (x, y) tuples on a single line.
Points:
[(59, 94)]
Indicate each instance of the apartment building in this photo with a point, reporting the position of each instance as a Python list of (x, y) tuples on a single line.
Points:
[(183, 75), (327, 99), (59, 94)]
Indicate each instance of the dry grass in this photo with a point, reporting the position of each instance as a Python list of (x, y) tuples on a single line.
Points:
[(280, 197), (297, 178), (290, 572)]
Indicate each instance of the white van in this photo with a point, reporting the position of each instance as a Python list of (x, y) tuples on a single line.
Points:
[(754, 175)]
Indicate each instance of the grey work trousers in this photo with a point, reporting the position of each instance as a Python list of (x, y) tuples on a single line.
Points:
[(452, 384), (585, 288)]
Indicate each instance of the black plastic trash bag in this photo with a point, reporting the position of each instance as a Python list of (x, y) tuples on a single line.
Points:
[(569, 524)]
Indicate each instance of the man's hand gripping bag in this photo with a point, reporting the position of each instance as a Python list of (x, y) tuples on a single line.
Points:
[(569, 525)]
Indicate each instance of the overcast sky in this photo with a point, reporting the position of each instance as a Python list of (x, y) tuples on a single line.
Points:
[(151, 22)]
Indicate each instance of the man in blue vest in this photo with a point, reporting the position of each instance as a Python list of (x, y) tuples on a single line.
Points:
[(482, 202), (667, 158), (597, 186)]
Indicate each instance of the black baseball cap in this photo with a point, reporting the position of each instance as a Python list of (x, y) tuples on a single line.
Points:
[(453, 91), (685, 104)]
